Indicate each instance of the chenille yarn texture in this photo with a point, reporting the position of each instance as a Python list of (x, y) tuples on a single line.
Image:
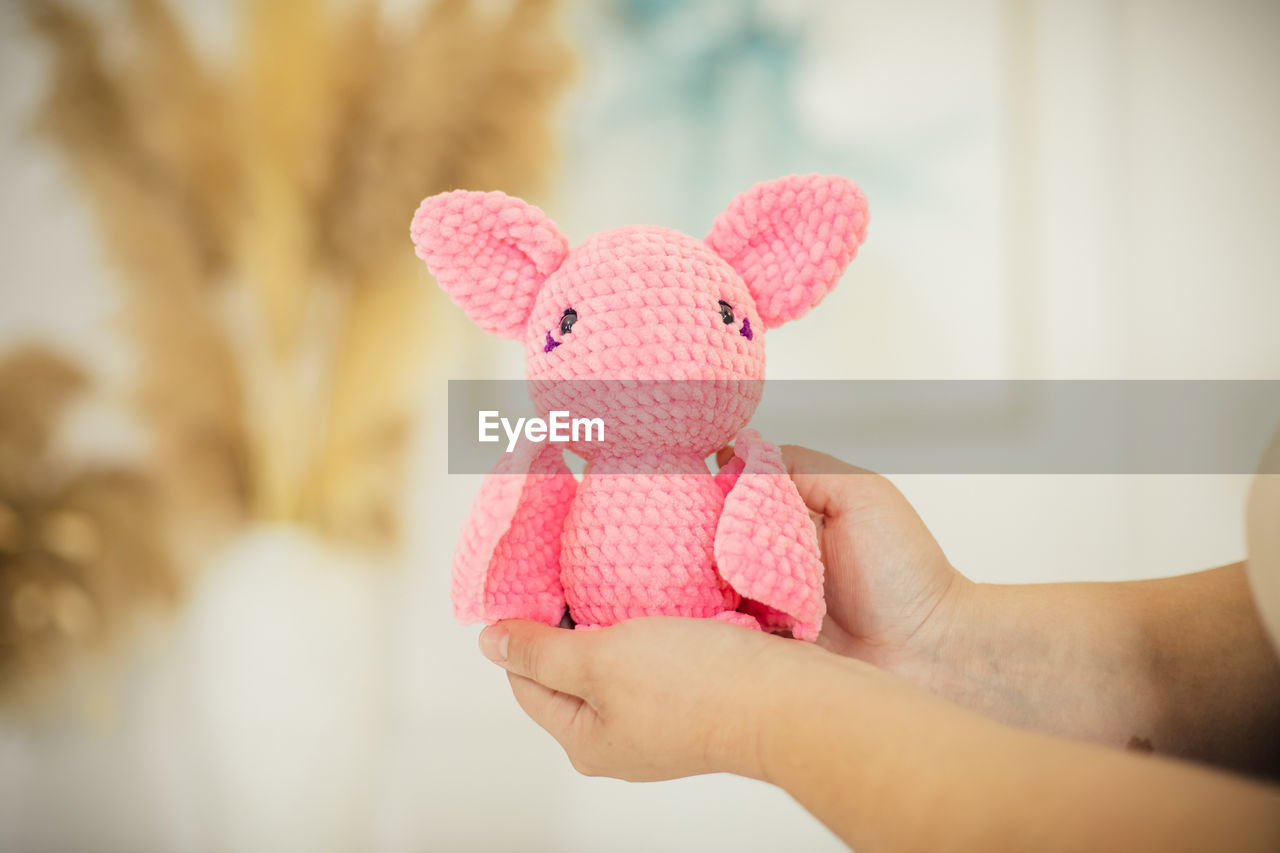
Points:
[(660, 335)]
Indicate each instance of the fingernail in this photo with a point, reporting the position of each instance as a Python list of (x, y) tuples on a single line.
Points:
[(494, 642)]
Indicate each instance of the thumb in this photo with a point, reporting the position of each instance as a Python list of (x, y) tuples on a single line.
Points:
[(550, 656), (825, 484)]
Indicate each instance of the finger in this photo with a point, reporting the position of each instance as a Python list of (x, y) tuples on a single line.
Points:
[(551, 709), (550, 656), (829, 495), (723, 455)]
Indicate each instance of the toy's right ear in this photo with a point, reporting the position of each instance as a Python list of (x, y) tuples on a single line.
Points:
[(490, 252)]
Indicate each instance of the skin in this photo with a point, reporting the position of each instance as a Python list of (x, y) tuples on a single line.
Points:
[(935, 713)]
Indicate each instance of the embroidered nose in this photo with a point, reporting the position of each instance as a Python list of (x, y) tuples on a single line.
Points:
[(552, 343), (746, 329)]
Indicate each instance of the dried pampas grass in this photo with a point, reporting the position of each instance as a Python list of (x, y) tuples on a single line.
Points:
[(258, 214), (126, 144), (81, 549)]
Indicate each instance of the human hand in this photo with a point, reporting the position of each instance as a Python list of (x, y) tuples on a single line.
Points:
[(890, 591), (650, 699)]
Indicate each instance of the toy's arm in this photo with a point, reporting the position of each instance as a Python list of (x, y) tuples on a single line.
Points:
[(507, 564), (766, 546)]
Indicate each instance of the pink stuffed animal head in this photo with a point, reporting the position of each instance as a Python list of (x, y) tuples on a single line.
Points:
[(644, 302)]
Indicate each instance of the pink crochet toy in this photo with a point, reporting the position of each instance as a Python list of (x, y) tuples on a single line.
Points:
[(661, 335)]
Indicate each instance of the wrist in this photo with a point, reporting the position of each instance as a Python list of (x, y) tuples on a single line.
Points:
[(977, 645), (774, 709), (807, 697), (945, 644)]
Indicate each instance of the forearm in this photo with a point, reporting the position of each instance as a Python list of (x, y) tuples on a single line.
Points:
[(888, 767), (1180, 664)]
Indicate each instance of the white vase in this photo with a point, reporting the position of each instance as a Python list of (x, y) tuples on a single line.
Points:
[(283, 639)]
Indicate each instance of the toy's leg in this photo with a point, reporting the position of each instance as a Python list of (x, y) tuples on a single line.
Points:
[(733, 617)]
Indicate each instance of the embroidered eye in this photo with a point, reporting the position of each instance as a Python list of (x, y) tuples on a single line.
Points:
[(567, 320), (726, 312)]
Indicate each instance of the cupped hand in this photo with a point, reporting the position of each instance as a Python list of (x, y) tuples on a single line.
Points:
[(890, 591), (648, 699)]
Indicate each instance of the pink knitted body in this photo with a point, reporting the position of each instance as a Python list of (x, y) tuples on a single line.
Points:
[(662, 337)]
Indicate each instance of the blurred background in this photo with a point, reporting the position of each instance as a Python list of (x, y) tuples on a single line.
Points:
[(225, 523)]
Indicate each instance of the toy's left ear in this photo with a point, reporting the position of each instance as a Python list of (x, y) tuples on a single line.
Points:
[(790, 239)]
